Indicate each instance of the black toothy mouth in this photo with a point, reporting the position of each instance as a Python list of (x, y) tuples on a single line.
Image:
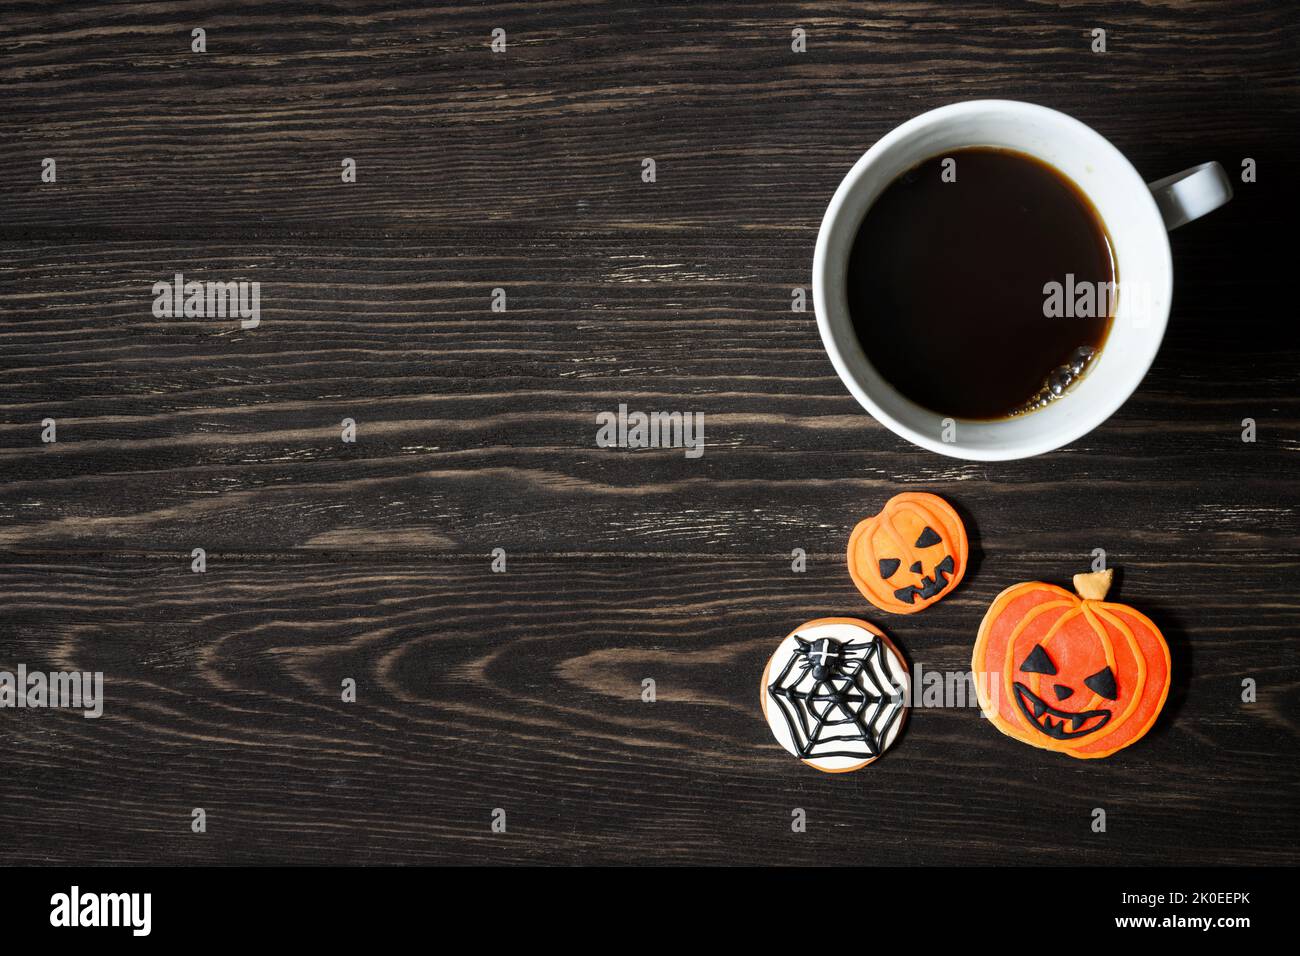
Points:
[(929, 586), (1042, 714)]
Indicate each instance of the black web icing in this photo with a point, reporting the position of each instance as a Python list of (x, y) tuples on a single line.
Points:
[(837, 698)]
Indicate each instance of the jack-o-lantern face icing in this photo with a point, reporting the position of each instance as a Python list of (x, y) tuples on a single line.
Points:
[(1070, 673), (910, 555)]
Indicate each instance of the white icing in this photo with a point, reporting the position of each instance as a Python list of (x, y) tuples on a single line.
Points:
[(882, 671)]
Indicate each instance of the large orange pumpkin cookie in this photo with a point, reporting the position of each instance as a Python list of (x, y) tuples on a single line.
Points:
[(910, 555), (835, 693), (1070, 673)]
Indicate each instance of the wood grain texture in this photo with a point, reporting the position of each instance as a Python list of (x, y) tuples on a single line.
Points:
[(247, 138), (476, 431), (522, 691)]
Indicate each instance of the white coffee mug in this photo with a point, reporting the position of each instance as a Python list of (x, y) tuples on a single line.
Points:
[(1137, 217)]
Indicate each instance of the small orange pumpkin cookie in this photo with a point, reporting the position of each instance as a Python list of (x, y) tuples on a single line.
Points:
[(910, 554), (1069, 673)]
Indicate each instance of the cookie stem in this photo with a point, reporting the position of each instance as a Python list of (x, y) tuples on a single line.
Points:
[(1093, 587)]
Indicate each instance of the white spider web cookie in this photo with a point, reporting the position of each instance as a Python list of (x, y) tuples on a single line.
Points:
[(835, 693)]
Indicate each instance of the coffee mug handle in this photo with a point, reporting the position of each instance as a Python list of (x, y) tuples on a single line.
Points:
[(1192, 193)]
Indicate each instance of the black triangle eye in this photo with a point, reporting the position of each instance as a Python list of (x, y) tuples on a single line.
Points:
[(888, 566), (1103, 683), (928, 538), (1038, 662)]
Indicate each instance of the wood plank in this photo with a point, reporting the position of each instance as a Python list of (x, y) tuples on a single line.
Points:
[(522, 691), (477, 429), (247, 138)]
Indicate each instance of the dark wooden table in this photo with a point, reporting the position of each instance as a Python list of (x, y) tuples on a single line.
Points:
[(476, 431)]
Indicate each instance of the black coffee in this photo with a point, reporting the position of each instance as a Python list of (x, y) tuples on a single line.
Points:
[(948, 283)]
